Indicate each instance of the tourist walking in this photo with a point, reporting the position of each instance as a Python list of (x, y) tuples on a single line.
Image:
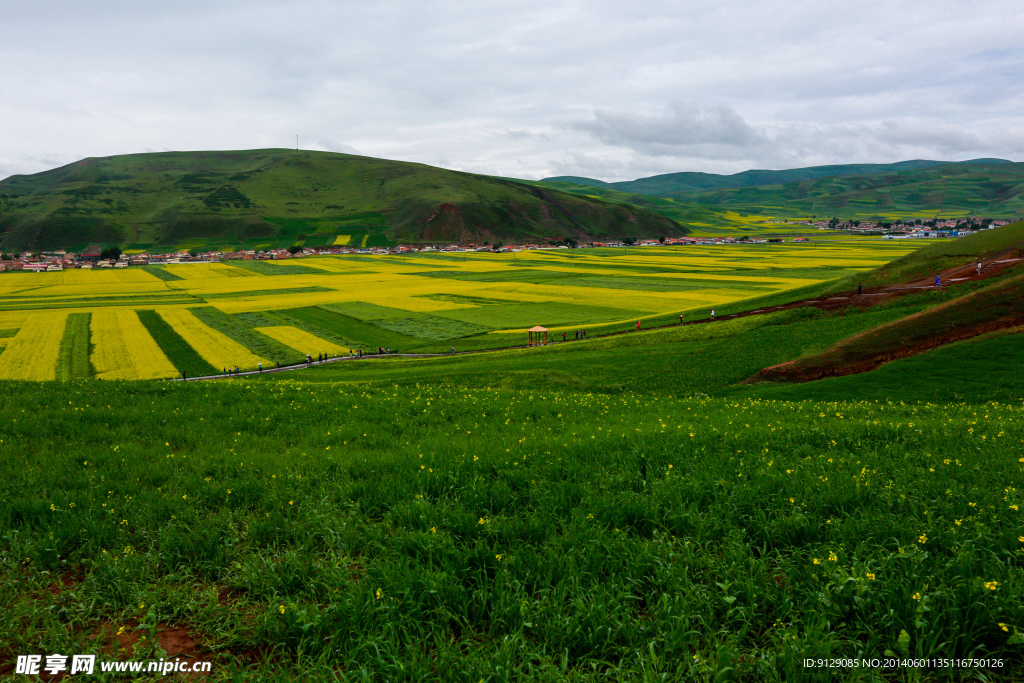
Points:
[(637, 325), (680, 318), (979, 267), (860, 288), (712, 314), (938, 283), (261, 367)]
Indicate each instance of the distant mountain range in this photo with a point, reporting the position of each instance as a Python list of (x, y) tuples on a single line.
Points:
[(980, 187), (684, 182), (280, 197)]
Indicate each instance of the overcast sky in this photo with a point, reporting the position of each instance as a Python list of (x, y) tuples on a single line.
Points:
[(532, 88)]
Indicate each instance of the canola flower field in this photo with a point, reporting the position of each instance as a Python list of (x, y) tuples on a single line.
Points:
[(324, 531), (243, 313)]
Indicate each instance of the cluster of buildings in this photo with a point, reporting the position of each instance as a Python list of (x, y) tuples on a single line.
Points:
[(93, 257), (936, 227)]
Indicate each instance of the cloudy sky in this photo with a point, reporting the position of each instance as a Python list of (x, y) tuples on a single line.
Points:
[(532, 88)]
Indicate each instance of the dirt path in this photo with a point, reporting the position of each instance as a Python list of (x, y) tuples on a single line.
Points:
[(868, 297)]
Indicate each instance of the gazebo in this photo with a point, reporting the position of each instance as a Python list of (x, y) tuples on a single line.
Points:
[(538, 335)]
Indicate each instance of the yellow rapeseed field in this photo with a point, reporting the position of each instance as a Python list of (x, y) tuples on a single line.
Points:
[(33, 352), (625, 282), (302, 341), (215, 348), (123, 347)]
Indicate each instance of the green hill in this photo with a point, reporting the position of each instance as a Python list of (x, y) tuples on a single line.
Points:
[(909, 189), (676, 183), (278, 197), (951, 190)]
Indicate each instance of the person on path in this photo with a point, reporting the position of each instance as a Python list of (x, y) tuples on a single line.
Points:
[(238, 370), (860, 288), (453, 350), (938, 283), (637, 325), (979, 267), (563, 336), (388, 349), (712, 314), (261, 367), (680, 318), (183, 376), (577, 335), (278, 363)]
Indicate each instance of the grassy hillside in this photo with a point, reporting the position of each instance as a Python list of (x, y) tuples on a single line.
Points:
[(963, 309), (675, 183), (951, 190), (974, 370), (1007, 240), (909, 189), (995, 307), (277, 197)]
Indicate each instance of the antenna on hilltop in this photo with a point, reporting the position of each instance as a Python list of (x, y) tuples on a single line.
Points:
[(296, 142)]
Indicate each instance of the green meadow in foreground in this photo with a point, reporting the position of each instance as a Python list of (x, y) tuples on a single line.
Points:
[(328, 531)]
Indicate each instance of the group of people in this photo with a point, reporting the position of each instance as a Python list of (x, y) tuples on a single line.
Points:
[(383, 350), (581, 334)]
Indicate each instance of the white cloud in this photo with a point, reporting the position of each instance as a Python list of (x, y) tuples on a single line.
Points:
[(684, 125), (519, 88)]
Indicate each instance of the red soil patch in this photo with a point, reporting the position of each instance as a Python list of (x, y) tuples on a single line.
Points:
[(846, 358)]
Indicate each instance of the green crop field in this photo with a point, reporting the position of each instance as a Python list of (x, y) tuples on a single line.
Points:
[(630, 507)]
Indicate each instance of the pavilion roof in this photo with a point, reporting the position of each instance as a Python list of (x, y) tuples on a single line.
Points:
[(537, 328)]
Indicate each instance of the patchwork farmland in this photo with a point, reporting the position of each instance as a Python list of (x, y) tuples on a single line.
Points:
[(158, 322)]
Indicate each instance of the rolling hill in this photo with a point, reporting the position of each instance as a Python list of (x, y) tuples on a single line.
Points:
[(972, 303), (677, 183), (911, 189), (278, 197)]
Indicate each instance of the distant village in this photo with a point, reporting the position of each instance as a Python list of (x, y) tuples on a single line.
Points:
[(908, 228), (97, 256)]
